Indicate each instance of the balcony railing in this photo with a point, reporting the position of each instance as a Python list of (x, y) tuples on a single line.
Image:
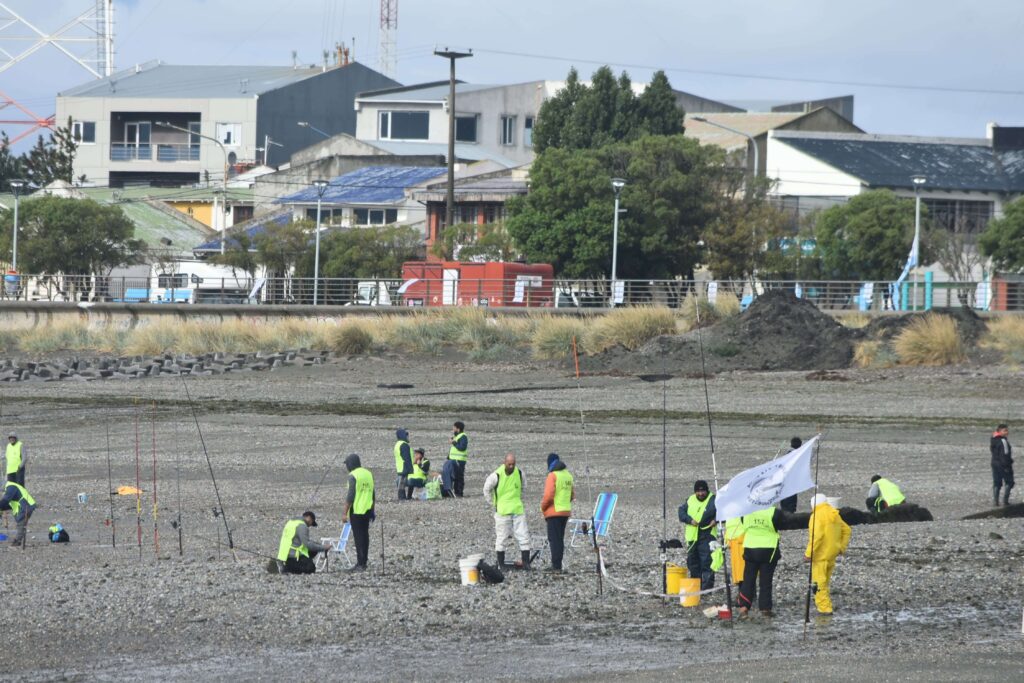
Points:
[(130, 151), (171, 152)]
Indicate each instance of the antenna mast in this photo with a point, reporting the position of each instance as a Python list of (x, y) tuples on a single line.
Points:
[(388, 28)]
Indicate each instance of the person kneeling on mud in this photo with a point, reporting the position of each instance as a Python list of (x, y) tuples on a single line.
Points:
[(420, 470), (296, 551), (21, 504), (883, 495)]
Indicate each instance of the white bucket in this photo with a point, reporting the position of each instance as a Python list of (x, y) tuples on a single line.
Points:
[(468, 570), (475, 558)]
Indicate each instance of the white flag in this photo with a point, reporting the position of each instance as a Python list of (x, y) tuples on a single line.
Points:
[(763, 486)]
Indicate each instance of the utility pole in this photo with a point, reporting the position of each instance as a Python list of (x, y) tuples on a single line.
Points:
[(451, 56)]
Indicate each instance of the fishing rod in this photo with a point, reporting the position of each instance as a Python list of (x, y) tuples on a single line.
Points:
[(138, 484), (330, 466), (714, 462), (110, 491), (156, 532), (177, 468), (810, 565), (209, 464)]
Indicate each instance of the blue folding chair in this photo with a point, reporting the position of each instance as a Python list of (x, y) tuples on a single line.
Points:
[(339, 547), (604, 509)]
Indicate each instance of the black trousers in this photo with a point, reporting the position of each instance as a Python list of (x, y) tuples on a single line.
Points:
[(556, 539), (698, 563), (300, 565), (361, 536), (459, 477), (759, 565), (19, 476)]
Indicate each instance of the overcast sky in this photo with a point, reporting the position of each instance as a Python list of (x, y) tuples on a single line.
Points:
[(779, 50)]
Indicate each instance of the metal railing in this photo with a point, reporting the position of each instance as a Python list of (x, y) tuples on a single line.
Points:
[(170, 152), (130, 151), (850, 296)]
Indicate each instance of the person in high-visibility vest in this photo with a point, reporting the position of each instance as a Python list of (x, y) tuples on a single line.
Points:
[(760, 556), (556, 506), (21, 504), (359, 508), (503, 490), (420, 471), (828, 538), (296, 550), (698, 514), (883, 494), (458, 454), (16, 457), (403, 461)]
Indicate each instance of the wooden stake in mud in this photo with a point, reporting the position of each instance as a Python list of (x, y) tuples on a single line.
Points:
[(110, 492), (138, 484), (156, 532)]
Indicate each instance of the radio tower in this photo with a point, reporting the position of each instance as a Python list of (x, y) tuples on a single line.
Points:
[(388, 28)]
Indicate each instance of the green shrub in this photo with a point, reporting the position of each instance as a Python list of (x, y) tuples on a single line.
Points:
[(629, 327), (929, 340), (553, 336), (352, 338)]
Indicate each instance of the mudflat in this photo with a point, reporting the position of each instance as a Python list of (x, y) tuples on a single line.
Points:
[(934, 600)]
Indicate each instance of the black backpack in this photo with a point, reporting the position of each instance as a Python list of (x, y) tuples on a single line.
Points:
[(490, 574)]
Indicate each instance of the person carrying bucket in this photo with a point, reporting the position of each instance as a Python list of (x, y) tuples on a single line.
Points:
[(829, 537)]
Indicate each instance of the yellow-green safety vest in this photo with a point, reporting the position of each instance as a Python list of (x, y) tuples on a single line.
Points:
[(418, 474), (456, 454), (399, 463), (563, 491), (25, 496), (888, 493), (759, 529), (508, 494), (13, 456), (364, 491), (695, 509), (287, 548)]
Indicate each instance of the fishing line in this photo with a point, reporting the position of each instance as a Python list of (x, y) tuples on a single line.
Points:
[(138, 484), (110, 491), (714, 462), (177, 467), (327, 471), (209, 464), (156, 532), (583, 422)]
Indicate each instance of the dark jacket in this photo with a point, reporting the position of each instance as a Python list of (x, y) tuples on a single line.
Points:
[(405, 451), (1002, 452), (351, 463), (460, 441)]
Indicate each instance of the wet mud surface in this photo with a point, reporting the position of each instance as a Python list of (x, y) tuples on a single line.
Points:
[(937, 600)]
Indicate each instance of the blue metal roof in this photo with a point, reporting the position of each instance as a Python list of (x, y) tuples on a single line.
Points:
[(251, 232), (881, 161), (369, 185)]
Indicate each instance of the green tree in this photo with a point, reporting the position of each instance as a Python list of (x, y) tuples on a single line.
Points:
[(372, 252), (471, 242), (1003, 239), (11, 166), (281, 246), (239, 252), (742, 239), (566, 219), (606, 111), (869, 237), (70, 236), (51, 159)]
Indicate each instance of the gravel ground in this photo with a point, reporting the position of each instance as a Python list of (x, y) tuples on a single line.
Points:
[(938, 600)]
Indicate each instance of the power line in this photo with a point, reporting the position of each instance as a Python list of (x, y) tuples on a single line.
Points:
[(760, 77)]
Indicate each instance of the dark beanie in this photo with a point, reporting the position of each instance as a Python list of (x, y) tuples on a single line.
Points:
[(552, 459), (700, 485), (796, 442)]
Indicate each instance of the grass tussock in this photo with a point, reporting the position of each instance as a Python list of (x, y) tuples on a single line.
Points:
[(553, 337), (1006, 335), (873, 353), (352, 338), (930, 340), (629, 327), (854, 321)]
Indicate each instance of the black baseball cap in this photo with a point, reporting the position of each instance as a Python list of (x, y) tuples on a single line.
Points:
[(700, 485), (311, 515)]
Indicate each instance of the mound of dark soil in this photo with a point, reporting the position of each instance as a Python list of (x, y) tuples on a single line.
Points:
[(907, 512), (884, 329), (777, 332), (1009, 511)]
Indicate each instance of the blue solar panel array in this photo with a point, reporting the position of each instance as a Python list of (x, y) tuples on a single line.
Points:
[(369, 185)]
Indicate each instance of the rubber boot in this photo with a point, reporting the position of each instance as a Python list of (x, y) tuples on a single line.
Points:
[(501, 559), (995, 496), (526, 559), (1006, 495), (408, 493)]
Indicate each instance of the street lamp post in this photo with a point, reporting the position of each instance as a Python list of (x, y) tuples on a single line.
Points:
[(617, 185), (321, 187), (16, 187), (919, 180), (451, 56), (224, 181), (307, 124)]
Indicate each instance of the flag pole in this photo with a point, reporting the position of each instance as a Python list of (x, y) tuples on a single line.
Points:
[(714, 462)]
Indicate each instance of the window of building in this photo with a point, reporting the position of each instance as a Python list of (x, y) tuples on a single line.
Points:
[(494, 213), (465, 128), (528, 131), (328, 216), (375, 216), (84, 132), (959, 215), (404, 125), (229, 134), (175, 281), (465, 213), (508, 130)]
